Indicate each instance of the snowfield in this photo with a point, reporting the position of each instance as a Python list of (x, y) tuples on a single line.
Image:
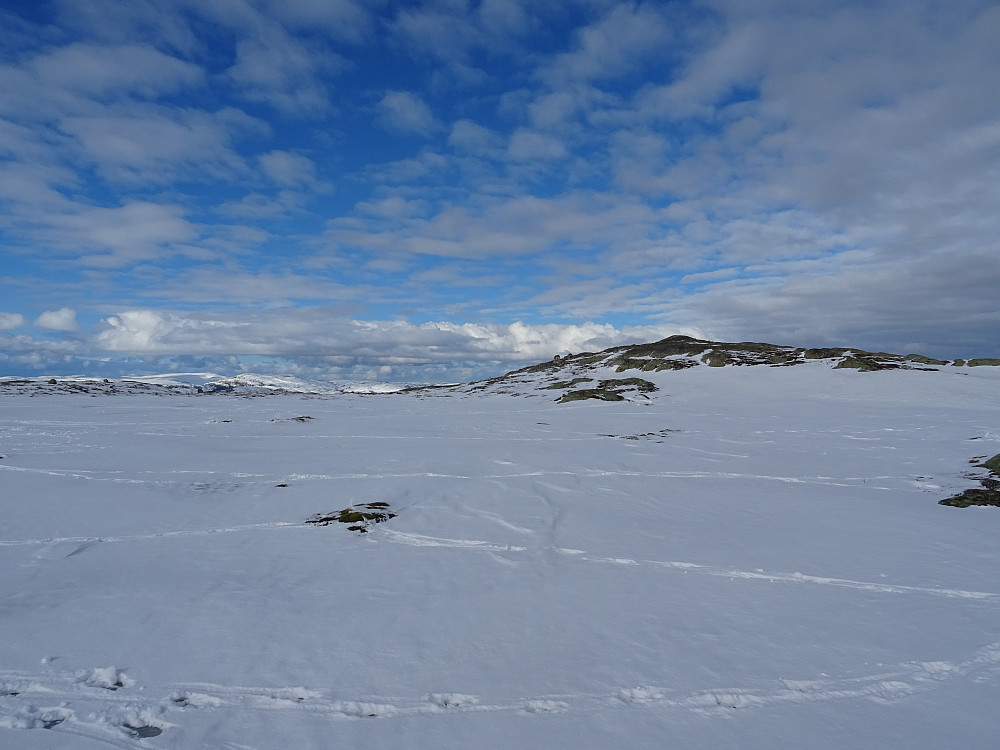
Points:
[(750, 557)]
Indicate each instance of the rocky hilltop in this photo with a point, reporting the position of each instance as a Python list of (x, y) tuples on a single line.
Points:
[(680, 352), (593, 375)]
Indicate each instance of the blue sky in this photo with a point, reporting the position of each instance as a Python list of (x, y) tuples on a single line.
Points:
[(446, 189)]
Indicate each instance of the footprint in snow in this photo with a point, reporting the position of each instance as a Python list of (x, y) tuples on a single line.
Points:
[(109, 678), (545, 707), (640, 695), (452, 700), (142, 731)]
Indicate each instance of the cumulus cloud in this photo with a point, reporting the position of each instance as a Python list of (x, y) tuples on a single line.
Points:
[(314, 333), (9, 321), (27, 354), (63, 319)]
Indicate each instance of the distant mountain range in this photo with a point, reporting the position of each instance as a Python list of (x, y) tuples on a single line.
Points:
[(588, 370)]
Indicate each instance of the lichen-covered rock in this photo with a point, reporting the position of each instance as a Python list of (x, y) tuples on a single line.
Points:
[(590, 393), (921, 359), (716, 358), (976, 496), (865, 364), (824, 353), (993, 464)]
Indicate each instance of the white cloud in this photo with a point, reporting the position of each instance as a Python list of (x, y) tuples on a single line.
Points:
[(472, 137), (63, 319), (282, 72), (393, 207), (138, 331), (612, 45), (405, 112), (734, 60), (314, 332), (24, 354), (501, 227), (118, 236), (122, 21), (445, 33), (261, 289), (10, 321), (97, 70), (504, 17), (287, 169), (157, 144)]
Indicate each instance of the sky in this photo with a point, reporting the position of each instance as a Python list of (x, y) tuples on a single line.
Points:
[(444, 190)]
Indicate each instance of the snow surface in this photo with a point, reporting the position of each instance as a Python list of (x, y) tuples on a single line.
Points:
[(751, 558)]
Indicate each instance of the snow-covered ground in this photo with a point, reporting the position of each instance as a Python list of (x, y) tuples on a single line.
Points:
[(752, 558)]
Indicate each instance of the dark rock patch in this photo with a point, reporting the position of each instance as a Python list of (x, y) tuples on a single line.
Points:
[(975, 496), (361, 517), (560, 384), (987, 494), (865, 364), (609, 390), (657, 436)]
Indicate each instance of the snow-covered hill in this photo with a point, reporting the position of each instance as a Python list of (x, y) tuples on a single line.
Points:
[(728, 557)]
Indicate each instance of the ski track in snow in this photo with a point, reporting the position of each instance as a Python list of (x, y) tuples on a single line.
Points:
[(113, 715), (419, 540), (865, 482), (422, 540), (88, 540)]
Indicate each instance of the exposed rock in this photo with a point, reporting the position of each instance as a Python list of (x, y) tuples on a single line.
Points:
[(987, 494), (609, 390)]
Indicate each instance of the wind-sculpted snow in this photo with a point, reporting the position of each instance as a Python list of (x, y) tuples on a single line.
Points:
[(743, 557)]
